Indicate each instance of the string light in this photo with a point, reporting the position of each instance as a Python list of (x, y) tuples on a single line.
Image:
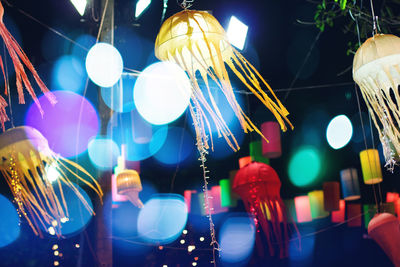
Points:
[(56, 263), (77, 245), (201, 239), (182, 241), (55, 247), (185, 232)]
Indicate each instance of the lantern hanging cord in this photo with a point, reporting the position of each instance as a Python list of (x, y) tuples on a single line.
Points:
[(374, 19), (203, 153)]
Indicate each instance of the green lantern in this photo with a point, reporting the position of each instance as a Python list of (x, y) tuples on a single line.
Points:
[(256, 152), (316, 199)]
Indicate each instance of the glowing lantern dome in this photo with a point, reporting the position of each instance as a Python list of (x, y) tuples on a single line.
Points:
[(128, 184)]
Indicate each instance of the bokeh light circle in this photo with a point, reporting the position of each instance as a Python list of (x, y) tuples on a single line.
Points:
[(237, 238), (304, 166), (177, 147), (339, 131), (104, 64), (66, 133), (68, 74), (120, 96), (162, 93), (103, 152), (162, 218), (78, 215), (9, 222)]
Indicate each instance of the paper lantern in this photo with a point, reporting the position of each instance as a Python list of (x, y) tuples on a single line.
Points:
[(316, 199), (256, 152), (350, 185), (384, 229), (197, 43), (331, 196), (215, 201), (187, 195), (338, 215), (259, 187), (303, 209), (354, 215), (369, 212), (129, 185), (26, 164), (376, 71), (392, 196), (227, 199), (244, 161), (271, 149), (371, 167), (17, 55)]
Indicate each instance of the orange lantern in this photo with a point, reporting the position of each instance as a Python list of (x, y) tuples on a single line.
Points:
[(129, 185)]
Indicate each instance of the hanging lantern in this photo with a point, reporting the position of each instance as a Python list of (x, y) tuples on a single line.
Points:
[(316, 199), (259, 187), (331, 196), (354, 215), (244, 161), (338, 215), (384, 229), (272, 148), (376, 71), (371, 167), (17, 55), (129, 185), (114, 191), (227, 199), (303, 209), (350, 185), (256, 152), (187, 195), (197, 43), (392, 196), (30, 169)]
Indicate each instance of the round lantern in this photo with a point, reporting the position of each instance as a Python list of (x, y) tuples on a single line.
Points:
[(31, 168), (272, 148), (259, 187), (331, 196), (371, 166), (376, 71), (350, 185), (198, 43), (129, 185), (384, 228)]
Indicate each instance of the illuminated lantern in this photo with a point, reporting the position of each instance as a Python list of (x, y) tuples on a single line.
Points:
[(371, 166), (226, 193), (214, 204), (17, 55), (350, 185), (129, 185), (338, 215), (259, 187), (384, 229), (354, 215), (32, 171), (114, 191), (376, 71), (272, 148), (187, 195), (256, 152), (331, 195), (392, 197), (197, 43), (303, 209), (316, 199), (244, 161)]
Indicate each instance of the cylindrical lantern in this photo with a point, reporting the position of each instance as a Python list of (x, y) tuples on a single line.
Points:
[(371, 166), (331, 196), (384, 228), (187, 194), (256, 152), (354, 215), (226, 193), (244, 161), (350, 185), (369, 212), (338, 216), (316, 199), (271, 131), (303, 210), (392, 197)]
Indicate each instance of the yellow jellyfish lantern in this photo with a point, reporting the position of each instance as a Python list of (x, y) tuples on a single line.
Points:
[(376, 70), (129, 185), (25, 162), (198, 44)]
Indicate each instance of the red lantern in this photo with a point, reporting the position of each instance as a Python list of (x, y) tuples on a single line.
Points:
[(259, 187), (271, 131), (354, 215), (338, 216), (384, 228), (331, 196)]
